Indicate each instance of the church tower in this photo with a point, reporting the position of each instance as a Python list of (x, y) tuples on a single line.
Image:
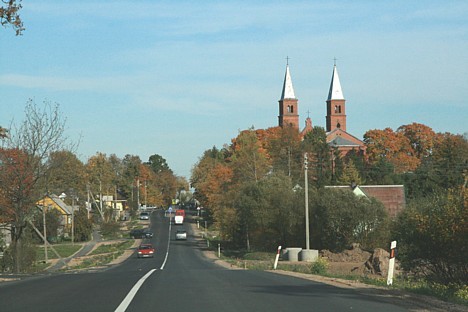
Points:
[(288, 114), (336, 108)]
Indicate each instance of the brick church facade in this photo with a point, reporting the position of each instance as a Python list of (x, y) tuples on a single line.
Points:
[(391, 196), (337, 136)]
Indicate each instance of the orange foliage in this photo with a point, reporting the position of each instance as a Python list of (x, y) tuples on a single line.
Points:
[(392, 146)]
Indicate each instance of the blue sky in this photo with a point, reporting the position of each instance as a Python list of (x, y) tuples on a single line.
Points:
[(175, 78)]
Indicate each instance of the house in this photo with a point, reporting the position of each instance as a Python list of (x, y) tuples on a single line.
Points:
[(52, 201), (391, 196)]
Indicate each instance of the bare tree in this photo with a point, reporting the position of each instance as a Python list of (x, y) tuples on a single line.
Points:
[(25, 167), (9, 15)]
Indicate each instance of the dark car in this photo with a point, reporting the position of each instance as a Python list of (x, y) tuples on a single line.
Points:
[(147, 233), (141, 233)]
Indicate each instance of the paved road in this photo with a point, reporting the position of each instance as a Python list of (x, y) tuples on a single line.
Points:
[(180, 280)]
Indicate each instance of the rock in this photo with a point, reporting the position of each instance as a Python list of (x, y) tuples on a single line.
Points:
[(378, 262)]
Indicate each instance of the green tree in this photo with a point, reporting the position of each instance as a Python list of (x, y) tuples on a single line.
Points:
[(157, 163), (350, 175), (341, 218), (83, 226), (52, 217), (319, 156), (432, 237)]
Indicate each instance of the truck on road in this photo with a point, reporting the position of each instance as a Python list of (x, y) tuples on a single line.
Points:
[(179, 216)]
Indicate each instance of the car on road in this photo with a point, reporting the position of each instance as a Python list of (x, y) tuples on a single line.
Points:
[(141, 233), (145, 250), (144, 216), (181, 235)]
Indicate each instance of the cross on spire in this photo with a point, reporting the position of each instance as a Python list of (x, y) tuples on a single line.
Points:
[(308, 113), (334, 61), (287, 60)]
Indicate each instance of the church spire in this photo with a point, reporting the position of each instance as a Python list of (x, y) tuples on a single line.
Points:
[(335, 92), (336, 104), (288, 110), (288, 90)]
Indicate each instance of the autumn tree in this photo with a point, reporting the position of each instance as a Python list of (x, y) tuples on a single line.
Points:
[(201, 173), (421, 138), (9, 15), (284, 150), (391, 146), (25, 165), (249, 159), (68, 174)]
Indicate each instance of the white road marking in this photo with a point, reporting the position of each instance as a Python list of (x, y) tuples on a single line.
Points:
[(126, 302), (168, 244)]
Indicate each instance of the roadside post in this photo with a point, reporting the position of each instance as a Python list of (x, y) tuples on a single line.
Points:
[(391, 263), (219, 250), (277, 257)]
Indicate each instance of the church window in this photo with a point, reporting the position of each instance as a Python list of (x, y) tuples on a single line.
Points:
[(339, 109), (338, 125)]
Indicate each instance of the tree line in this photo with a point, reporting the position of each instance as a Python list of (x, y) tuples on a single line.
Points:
[(37, 158), (253, 192)]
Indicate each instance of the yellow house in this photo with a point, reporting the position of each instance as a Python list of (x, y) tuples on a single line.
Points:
[(52, 201)]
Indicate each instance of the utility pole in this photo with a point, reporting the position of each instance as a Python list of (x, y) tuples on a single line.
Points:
[(45, 232), (306, 186), (138, 193), (73, 219)]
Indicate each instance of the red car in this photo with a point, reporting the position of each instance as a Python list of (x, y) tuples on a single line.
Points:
[(146, 250)]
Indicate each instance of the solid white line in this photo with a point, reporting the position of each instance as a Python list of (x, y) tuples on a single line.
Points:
[(168, 244), (126, 302)]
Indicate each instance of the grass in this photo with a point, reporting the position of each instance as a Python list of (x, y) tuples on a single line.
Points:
[(64, 250), (105, 254), (107, 248), (98, 260)]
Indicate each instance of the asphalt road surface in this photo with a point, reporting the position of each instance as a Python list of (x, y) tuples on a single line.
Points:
[(179, 278)]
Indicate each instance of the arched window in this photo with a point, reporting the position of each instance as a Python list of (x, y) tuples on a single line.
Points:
[(292, 109), (339, 109), (338, 125)]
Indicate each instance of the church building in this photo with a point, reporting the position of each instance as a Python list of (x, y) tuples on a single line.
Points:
[(337, 136)]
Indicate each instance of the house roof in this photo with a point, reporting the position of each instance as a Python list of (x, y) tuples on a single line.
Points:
[(391, 196), (58, 203), (339, 137), (340, 141)]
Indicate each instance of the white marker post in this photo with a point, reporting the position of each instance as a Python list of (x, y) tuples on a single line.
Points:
[(277, 257), (391, 263)]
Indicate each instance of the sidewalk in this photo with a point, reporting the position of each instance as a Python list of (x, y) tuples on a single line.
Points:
[(96, 237)]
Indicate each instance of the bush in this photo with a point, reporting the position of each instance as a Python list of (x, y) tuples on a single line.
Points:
[(319, 267), (110, 229), (432, 240)]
